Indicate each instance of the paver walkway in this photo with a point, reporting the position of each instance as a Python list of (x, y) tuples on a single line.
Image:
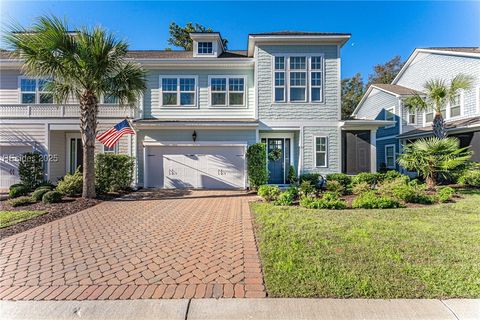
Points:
[(197, 244)]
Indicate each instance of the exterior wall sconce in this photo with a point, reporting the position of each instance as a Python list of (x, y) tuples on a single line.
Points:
[(194, 135)]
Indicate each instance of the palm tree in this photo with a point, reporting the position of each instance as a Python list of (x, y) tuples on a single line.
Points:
[(86, 64), (434, 157), (437, 94)]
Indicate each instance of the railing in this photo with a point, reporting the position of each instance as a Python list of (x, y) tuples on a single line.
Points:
[(61, 111)]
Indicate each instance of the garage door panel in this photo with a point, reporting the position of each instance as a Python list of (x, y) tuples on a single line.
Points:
[(197, 167)]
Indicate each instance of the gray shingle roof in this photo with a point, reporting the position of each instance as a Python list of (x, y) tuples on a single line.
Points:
[(449, 126), (397, 89), (456, 49), (299, 33)]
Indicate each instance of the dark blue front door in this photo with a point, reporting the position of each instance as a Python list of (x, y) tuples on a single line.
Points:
[(276, 167)]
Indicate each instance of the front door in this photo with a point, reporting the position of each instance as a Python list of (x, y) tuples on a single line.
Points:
[(276, 161), (74, 152)]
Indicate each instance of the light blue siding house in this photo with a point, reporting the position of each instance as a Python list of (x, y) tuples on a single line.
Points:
[(385, 101)]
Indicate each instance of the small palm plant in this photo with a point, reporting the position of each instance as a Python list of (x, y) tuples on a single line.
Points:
[(85, 64), (434, 157), (437, 94)]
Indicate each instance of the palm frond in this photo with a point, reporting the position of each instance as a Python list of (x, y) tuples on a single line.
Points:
[(416, 102), (459, 82)]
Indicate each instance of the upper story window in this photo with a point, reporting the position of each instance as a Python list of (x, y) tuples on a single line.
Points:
[(178, 91), (298, 79), (205, 47), (411, 117), (321, 151), (450, 109), (227, 91), (455, 106), (33, 91), (110, 99), (390, 116)]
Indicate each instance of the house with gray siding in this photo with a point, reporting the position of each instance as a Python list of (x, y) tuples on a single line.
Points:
[(200, 112), (385, 101)]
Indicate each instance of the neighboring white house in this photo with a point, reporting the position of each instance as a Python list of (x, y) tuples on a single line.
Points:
[(384, 102), (201, 110)]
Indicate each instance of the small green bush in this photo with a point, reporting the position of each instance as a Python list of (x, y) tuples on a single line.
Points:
[(52, 197), (269, 193), (113, 172), (37, 195), (306, 189), (292, 175), (408, 192), (329, 200), (470, 178), (287, 197), (20, 201), (310, 177), (445, 194), (361, 188), (393, 175), (335, 187), (71, 185), (370, 200), (17, 190), (344, 179), (368, 177), (30, 169), (257, 165), (47, 184)]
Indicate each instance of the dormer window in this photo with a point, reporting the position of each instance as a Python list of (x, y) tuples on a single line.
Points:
[(205, 47)]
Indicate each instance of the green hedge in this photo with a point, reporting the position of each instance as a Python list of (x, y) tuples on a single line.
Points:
[(30, 170), (257, 165), (113, 172)]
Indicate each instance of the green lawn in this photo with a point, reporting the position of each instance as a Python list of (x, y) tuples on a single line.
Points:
[(430, 252), (8, 218)]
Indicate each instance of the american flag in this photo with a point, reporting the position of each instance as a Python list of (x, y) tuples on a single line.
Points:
[(110, 137)]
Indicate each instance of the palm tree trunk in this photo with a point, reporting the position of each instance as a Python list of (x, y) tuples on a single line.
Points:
[(438, 126), (88, 128)]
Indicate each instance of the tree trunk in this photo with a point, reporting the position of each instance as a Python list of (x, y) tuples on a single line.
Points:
[(438, 126), (431, 183), (88, 128)]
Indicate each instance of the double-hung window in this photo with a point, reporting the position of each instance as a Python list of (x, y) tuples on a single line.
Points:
[(298, 79), (227, 91), (113, 150), (205, 47), (178, 91), (390, 116), (455, 106), (316, 79), (279, 79), (429, 116), (390, 156), (34, 91), (411, 117), (321, 151)]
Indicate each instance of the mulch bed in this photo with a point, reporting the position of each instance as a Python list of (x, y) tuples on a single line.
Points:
[(55, 211)]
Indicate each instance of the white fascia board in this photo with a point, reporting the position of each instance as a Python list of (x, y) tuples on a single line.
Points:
[(204, 62), (195, 144)]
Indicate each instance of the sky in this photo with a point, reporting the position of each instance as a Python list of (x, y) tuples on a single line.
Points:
[(380, 30)]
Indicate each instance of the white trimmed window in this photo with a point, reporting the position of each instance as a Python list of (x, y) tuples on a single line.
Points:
[(279, 87), (113, 150), (390, 116), (428, 116), (110, 99), (178, 91), (227, 91), (33, 91), (411, 116), (298, 78), (390, 156), (455, 106), (450, 109), (205, 48), (321, 151)]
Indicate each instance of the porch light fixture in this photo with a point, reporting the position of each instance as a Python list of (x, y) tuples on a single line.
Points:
[(194, 135)]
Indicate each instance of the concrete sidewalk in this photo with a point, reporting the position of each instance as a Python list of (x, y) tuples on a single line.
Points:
[(321, 309)]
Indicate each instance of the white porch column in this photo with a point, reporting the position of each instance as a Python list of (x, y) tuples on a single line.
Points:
[(373, 150)]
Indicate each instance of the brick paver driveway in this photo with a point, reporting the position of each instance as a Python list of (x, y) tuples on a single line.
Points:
[(194, 245)]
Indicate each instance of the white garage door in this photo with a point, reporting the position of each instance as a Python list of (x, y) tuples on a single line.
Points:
[(9, 159), (210, 167)]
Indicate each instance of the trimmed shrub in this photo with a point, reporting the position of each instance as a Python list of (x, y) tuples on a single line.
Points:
[(342, 178), (71, 185), (313, 178), (361, 188), (257, 165), (408, 192), (470, 178), (335, 187), (269, 193), (30, 170), (445, 194), (20, 201), (292, 175), (368, 177), (17, 190), (306, 189), (370, 200), (37, 195), (329, 200), (47, 184), (113, 172), (393, 175), (52, 197), (287, 197)]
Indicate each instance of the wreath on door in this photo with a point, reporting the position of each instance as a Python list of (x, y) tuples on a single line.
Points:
[(275, 154)]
